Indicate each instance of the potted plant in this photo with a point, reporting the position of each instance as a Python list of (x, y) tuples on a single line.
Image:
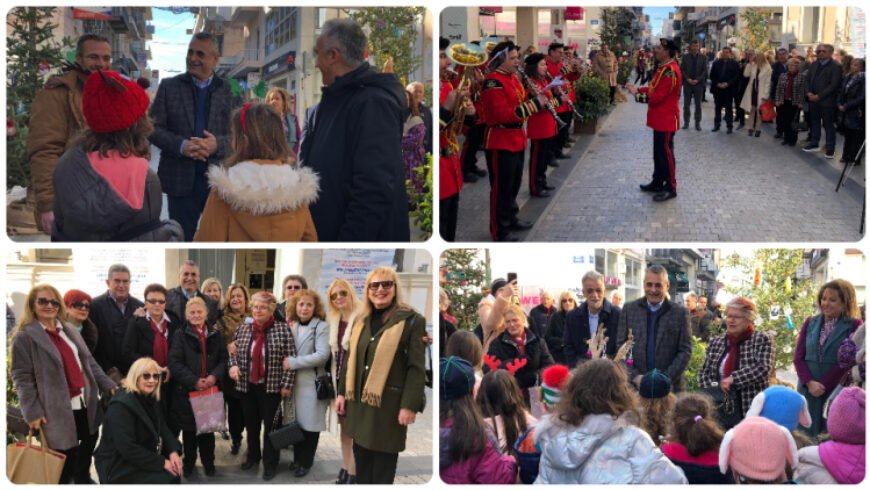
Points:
[(593, 102)]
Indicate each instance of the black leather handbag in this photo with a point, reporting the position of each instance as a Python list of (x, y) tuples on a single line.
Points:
[(323, 385), (285, 436), (728, 410)]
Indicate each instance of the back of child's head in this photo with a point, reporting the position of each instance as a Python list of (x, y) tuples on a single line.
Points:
[(466, 345), (500, 395), (468, 433), (846, 419), (598, 386), (782, 405), (694, 425), (758, 451), (257, 134)]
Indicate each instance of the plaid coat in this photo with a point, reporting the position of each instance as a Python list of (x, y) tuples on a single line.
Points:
[(799, 91), (279, 344), (752, 375), (173, 112)]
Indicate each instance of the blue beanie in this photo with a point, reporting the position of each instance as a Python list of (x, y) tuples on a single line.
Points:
[(457, 378), (782, 405)]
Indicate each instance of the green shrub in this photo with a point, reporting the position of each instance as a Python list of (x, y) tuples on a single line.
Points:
[(593, 97), (624, 73), (699, 351)]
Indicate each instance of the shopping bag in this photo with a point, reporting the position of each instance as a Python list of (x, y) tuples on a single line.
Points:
[(208, 410), (768, 111), (28, 463)]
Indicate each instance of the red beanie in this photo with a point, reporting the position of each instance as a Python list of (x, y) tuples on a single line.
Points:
[(75, 295), (110, 103)]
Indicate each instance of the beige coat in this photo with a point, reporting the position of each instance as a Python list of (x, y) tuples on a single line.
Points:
[(56, 120), (763, 85), (259, 201), (606, 67)]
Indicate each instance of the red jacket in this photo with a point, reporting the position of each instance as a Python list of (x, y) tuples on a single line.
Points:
[(542, 125), (449, 168), (505, 108), (663, 113), (556, 69)]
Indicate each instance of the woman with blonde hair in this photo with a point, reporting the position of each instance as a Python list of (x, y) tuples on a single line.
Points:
[(235, 314), (279, 99), (213, 288), (382, 383), (258, 194), (555, 332), (342, 309), (134, 428), (757, 71), (57, 381)]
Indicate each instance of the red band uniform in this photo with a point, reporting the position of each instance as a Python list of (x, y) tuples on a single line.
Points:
[(449, 171), (663, 116), (541, 130), (564, 110)]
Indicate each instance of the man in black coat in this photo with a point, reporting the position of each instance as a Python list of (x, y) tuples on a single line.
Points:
[(823, 85), (542, 313), (660, 329), (354, 143), (724, 76), (584, 321), (694, 70), (188, 280), (191, 115), (111, 313), (778, 68)]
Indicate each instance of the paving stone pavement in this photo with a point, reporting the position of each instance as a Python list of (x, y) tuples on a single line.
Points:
[(731, 188), (414, 467)]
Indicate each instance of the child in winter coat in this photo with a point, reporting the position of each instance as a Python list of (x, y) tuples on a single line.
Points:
[(757, 451), (504, 410), (656, 404), (528, 453), (787, 408), (468, 453), (841, 459), (693, 440), (592, 434), (259, 194)]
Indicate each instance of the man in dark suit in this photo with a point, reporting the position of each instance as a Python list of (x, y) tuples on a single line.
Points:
[(583, 323), (778, 68), (191, 115), (188, 287), (660, 330), (723, 85), (823, 85), (111, 313), (694, 68)]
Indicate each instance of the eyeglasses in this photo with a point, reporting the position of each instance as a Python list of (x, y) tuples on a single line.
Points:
[(292, 287), (48, 302), (338, 294), (156, 301), (567, 300), (374, 286), (150, 376), (81, 306)]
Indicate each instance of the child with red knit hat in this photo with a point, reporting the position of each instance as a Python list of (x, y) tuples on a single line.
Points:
[(104, 190)]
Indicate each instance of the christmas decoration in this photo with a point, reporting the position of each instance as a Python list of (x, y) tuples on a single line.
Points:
[(466, 277), (398, 41)]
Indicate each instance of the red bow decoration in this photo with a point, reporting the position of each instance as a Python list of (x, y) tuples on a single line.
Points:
[(491, 362), (516, 365)]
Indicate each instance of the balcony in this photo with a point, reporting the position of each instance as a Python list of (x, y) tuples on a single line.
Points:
[(242, 16), (120, 21), (238, 66)]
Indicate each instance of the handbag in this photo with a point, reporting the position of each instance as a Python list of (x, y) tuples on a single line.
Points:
[(727, 409), (208, 410), (287, 435), (27, 463), (323, 382), (768, 111)]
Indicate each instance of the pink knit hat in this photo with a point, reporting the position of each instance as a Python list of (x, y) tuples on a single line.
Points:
[(846, 417), (758, 448)]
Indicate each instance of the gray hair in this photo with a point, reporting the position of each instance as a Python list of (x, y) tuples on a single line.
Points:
[(690, 295), (593, 275), (658, 269), (114, 268), (411, 86), (348, 38), (208, 37), (186, 263)]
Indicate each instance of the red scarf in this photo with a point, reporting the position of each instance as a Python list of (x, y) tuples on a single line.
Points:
[(160, 349), (258, 361), (203, 355), (733, 343), (521, 343), (789, 85), (75, 380)]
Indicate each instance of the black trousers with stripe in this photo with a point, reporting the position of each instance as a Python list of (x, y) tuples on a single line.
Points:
[(505, 179), (472, 144), (540, 154), (664, 170)]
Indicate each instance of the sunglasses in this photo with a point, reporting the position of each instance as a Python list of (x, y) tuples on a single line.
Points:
[(150, 376), (156, 301), (338, 294), (567, 300), (374, 286), (293, 287), (48, 302), (81, 306)]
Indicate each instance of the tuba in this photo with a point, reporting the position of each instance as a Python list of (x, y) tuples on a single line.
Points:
[(470, 56)]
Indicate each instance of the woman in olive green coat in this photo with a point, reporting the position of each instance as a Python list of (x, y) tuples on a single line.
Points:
[(381, 387)]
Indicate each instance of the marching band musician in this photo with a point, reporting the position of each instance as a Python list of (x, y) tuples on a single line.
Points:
[(663, 116), (569, 73), (449, 170), (541, 128), (473, 129), (505, 108)]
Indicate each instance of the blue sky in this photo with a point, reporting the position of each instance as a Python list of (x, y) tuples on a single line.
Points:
[(169, 42), (657, 15)]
